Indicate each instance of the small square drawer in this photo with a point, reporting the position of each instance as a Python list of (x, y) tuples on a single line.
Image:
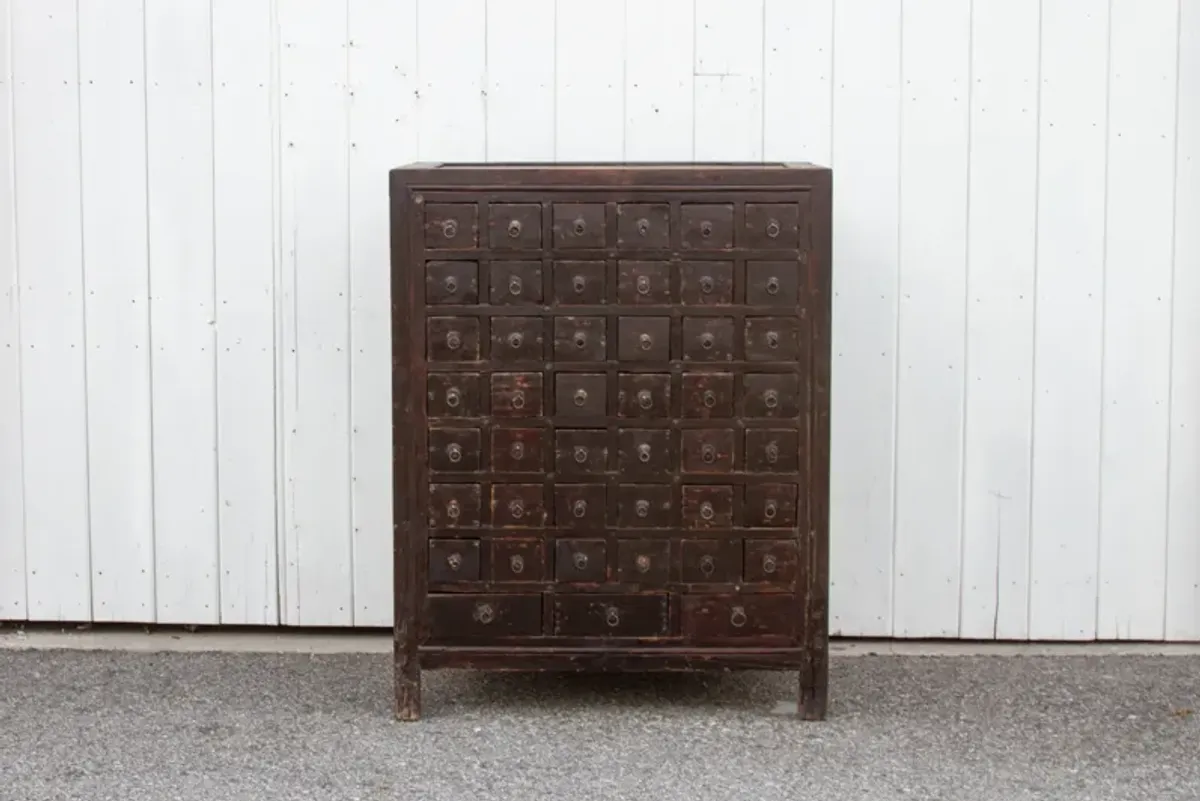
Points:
[(515, 226), (514, 283), (706, 283), (773, 283), (580, 451), (644, 451), (517, 339), (707, 507), (645, 339), (451, 282), (712, 561), (771, 505), (772, 561), (707, 226), (644, 506), (453, 395), (588, 615), (708, 450), (579, 283), (518, 560), (580, 560), (451, 226), (455, 616), (579, 225), (580, 394), (738, 617), (771, 225), (454, 505), (517, 394), (772, 339), (643, 225), (580, 339), (518, 505), (452, 339), (707, 395), (708, 339), (518, 450), (644, 395), (771, 394), (455, 449), (644, 282), (453, 561), (645, 562), (580, 505), (772, 450)]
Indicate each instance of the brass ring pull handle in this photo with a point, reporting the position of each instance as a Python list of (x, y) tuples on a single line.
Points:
[(580, 340), (449, 229), (516, 509), (515, 340), (580, 397), (453, 510), (706, 285), (642, 509), (710, 399), (453, 398), (772, 339), (643, 226), (643, 563), (454, 560), (645, 341), (645, 399), (643, 452), (772, 286), (516, 564), (514, 229), (773, 229), (707, 341), (580, 226), (706, 511), (769, 563), (737, 617), (454, 452), (514, 285), (772, 453), (518, 400), (643, 285), (612, 617), (453, 340), (770, 510), (579, 509), (771, 398), (451, 284), (708, 453), (580, 561), (706, 229), (707, 565), (581, 454), (578, 284), (517, 450), (484, 613)]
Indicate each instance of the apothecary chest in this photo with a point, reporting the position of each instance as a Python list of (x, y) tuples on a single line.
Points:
[(611, 419)]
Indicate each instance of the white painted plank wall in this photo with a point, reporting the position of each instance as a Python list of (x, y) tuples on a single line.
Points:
[(194, 353)]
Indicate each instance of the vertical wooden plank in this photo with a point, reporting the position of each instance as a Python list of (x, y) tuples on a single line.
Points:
[(1183, 511), (798, 79), (316, 283), (1069, 320), (1000, 290), (12, 472), (52, 333), (520, 80), (244, 143), (589, 114), (658, 80), (383, 135), (182, 309), (728, 80), (935, 142), (866, 219), (452, 54), (1137, 320), (116, 280)]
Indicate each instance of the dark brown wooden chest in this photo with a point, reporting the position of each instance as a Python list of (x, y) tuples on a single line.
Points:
[(611, 419)]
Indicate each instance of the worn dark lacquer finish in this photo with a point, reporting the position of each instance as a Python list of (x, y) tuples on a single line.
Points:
[(611, 419)]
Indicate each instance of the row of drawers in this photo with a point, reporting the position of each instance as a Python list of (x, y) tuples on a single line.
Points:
[(638, 283), (642, 562), (701, 618), (702, 226), (575, 339), (586, 506)]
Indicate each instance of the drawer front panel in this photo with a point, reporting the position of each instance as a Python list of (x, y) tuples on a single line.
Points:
[(611, 616)]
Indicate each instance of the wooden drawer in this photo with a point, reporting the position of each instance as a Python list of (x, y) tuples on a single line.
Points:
[(461, 616), (711, 619), (611, 615)]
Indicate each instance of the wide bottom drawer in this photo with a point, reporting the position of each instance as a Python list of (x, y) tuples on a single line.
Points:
[(708, 619), (454, 616), (587, 615)]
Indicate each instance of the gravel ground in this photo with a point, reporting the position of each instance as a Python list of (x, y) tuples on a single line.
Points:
[(92, 725)]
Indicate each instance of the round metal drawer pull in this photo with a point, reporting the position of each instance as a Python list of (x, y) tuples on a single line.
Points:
[(772, 452), (706, 229), (517, 450), (580, 340), (645, 399), (642, 509), (643, 452), (737, 618), (707, 341), (643, 563), (514, 285), (453, 510), (643, 285), (612, 617), (643, 226), (454, 561), (514, 229), (771, 398), (710, 399), (580, 397), (453, 340), (580, 561), (579, 509), (581, 454), (645, 341), (709, 454), (454, 452), (772, 286), (518, 400), (706, 285), (769, 563), (772, 339), (578, 284), (453, 398), (451, 284), (770, 510), (516, 564), (580, 226), (707, 565), (484, 613), (515, 340), (773, 228), (449, 229), (516, 509), (706, 511)]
